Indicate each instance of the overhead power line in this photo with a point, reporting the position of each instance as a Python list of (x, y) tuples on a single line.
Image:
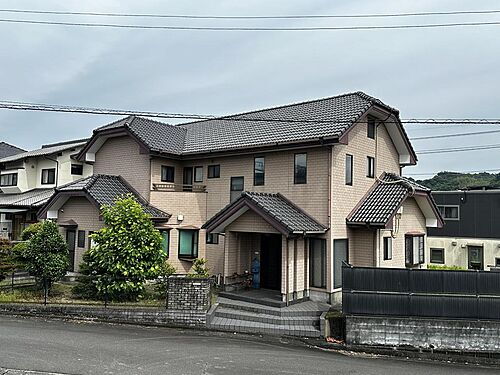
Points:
[(241, 28), (454, 135), (458, 149), (40, 107), (435, 173), (249, 17)]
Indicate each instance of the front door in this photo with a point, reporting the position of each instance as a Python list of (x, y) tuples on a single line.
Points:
[(270, 261), (70, 240), (187, 179), (475, 257)]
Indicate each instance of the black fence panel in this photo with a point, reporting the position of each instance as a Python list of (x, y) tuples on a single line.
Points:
[(421, 293)]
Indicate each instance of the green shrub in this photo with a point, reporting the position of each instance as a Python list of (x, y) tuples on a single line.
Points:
[(7, 263), (444, 267), (167, 270), (199, 269), (126, 253)]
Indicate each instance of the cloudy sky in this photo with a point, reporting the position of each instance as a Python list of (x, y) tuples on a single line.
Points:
[(425, 73)]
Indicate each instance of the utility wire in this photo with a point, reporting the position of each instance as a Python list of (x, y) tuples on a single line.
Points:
[(458, 149), (239, 17), (239, 28), (28, 106), (435, 173), (454, 135)]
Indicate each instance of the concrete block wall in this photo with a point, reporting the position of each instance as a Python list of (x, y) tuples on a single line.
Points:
[(190, 294), (441, 334)]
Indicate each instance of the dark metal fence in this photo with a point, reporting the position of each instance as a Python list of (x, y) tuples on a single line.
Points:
[(421, 293)]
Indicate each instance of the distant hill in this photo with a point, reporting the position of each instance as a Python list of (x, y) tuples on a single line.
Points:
[(444, 181)]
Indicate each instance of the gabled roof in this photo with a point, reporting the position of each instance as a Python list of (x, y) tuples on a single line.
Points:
[(319, 120), (385, 197), (104, 190), (46, 150), (278, 211), (9, 150), (31, 198)]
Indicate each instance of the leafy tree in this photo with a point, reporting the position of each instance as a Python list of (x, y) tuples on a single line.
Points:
[(166, 270), (7, 262), (126, 252), (445, 181), (199, 268), (45, 253)]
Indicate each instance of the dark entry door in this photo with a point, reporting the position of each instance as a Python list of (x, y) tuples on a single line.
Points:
[(187, 179), (70, 240), (270, 261), (475, 257)]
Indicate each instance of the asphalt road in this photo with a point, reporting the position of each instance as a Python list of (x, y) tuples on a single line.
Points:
[(91, 348)]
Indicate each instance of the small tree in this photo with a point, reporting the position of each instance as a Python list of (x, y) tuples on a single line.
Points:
[(199, 268), (45, 253), (126, 252), (7, 262)]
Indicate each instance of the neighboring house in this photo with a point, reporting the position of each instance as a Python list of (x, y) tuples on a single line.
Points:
[(9, 150), (295, 188), (28, 179), (471, 237)]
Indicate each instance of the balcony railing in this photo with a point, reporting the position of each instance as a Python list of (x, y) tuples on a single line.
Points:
[(179, 187)]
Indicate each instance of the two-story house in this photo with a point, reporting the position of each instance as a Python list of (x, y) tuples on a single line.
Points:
[(28, 179), (296, 189), (471, 237)]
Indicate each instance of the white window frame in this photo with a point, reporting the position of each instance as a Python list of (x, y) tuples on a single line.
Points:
[(444, 206)]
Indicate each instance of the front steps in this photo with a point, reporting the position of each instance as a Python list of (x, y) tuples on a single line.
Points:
[(301, 319)]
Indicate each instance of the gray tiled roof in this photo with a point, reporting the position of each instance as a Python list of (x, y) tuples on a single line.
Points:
[(9, 150), (306, 121), (43, 151), (383, 199), (280, 209), (31, 198), (105, 189)]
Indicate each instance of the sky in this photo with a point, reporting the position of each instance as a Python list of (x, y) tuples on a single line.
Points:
[(425, 73)]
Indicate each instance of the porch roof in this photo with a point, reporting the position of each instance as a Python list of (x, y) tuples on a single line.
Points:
[(386, 196), (29, 199), (278, 211)]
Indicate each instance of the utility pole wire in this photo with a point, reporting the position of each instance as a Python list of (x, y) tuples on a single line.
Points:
[(453, 135), (239, 28), (240, 17)]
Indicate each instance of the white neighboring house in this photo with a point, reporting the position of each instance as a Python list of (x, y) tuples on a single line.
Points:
[(28, 179)]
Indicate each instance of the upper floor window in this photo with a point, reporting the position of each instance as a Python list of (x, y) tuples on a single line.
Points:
[(370, 167), (414, 249), (48, 176), (167, 173), (214, 171), (300, 169), (450, 212), (371, 128), (259, 171), (198, 174), (348, 169), (237, 186), (188, 243), (81, 238), (77, 169), (9, 179)]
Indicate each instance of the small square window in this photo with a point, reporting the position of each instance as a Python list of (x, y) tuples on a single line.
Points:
[(437, 256), (167, 173), (48, 176), (213, 238), (188, 243), (497, 262), (77, 169), (214, 171), (387, 248), (198, 174), (371, 128), (450, 212), (370, 167), (81, 238)]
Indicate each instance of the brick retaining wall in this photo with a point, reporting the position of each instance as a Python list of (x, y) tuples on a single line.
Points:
[(441, 334), (186, 293)]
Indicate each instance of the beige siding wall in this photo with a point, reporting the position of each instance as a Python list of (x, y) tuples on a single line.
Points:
[(251, 222), (121, 156), (412, 220), (86, 215), (362, 248)]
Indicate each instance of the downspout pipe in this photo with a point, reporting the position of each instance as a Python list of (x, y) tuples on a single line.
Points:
[(57, 169)]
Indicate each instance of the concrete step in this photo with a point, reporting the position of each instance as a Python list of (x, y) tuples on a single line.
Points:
[(305, 309), (228, 313), (235, 325)]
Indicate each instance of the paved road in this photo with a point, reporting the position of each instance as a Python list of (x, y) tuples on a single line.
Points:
[(91, 348)]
